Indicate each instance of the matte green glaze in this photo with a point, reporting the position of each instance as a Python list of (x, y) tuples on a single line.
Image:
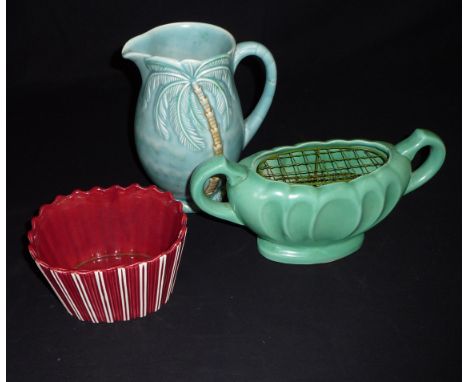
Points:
[(303, 224)]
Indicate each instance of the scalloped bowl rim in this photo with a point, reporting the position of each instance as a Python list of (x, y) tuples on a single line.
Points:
[(60, 198)]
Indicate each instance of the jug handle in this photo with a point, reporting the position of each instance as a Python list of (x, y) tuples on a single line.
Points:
[(217, 165), (250, 48), (415, 142)]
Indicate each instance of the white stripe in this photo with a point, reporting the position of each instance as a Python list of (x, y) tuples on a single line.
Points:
[(121, 293), (98, 283), (177, 269), (162, 270), (174, 267), (55, 290), (65, 292), (146, 288), (179, 257), (124, 293), (143, 288), (104, 292), (163, 276), (84, 297)]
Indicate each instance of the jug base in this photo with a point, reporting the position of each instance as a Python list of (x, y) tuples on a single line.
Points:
[(191, 208), (310, 254), (187, 207)]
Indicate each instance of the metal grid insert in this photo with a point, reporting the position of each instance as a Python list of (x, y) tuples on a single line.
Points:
[(317, 166)]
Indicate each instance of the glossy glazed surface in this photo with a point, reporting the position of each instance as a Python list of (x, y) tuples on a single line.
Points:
[(110, 254), (180, 64), (303, 224)]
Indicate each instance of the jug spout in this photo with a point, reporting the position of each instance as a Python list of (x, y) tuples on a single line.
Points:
[(134, 50)]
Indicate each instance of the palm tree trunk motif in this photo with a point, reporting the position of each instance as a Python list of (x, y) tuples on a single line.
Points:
[(182, 95), (214, 131)]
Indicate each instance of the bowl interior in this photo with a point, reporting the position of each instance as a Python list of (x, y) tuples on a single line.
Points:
[(320, 165), (105, 228)]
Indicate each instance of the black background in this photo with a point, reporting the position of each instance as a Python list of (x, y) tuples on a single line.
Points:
[(376, 69)]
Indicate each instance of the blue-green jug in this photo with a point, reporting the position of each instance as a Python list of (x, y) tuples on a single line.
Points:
[(188, 108)]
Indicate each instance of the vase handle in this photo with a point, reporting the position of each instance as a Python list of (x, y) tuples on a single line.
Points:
[(253, 121), (415, 142), (217, 165)]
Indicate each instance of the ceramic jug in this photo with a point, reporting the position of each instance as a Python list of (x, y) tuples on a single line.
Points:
[(311, 203), (188, 108)]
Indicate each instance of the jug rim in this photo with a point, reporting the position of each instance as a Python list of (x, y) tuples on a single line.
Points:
[(129, 54)]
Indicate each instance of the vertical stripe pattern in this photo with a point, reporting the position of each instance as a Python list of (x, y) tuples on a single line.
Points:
[(103, 295), (179, 256), (160, 286), (67, 295), (123, 293), (143, 288), (118, 294), (84, 297), (174, 270)]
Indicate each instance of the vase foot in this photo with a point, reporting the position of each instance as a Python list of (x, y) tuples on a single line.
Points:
[(309, 254)]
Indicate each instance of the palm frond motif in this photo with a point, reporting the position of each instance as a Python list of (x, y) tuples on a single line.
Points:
[(177, 108), (186, 128)]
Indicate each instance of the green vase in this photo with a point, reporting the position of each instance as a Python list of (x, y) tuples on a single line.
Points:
[(312, 202)]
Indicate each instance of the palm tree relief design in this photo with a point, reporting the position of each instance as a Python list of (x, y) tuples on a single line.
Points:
[(182, 101)]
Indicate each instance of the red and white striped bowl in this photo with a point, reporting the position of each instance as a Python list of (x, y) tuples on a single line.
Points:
[(110, 254)]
